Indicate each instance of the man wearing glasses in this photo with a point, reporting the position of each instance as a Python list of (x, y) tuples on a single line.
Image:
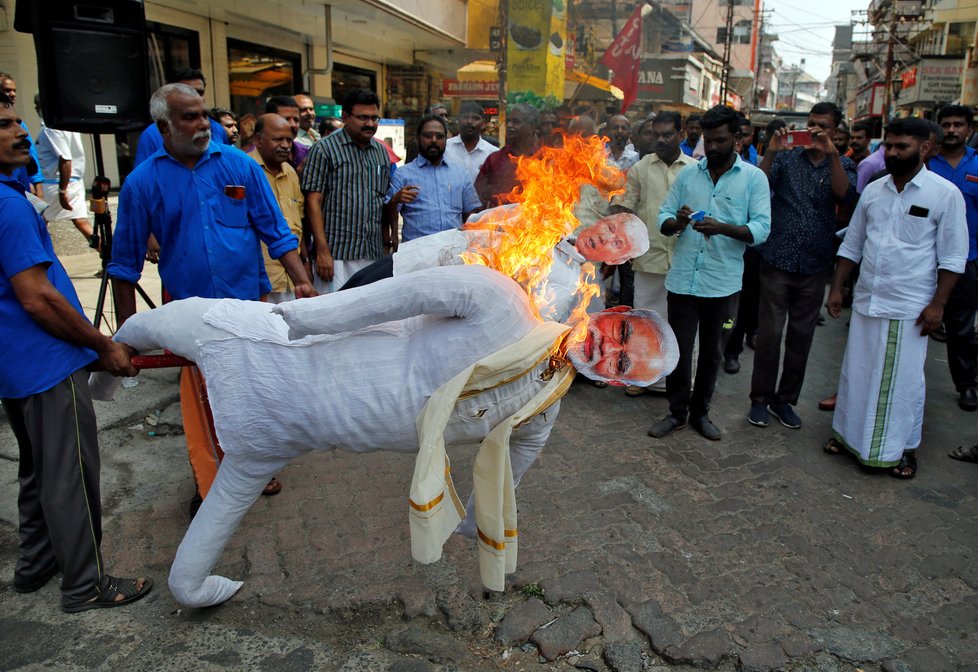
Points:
[(431, 194), (345, 180)]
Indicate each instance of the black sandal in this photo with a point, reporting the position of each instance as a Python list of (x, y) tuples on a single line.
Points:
[(106, 598), (833, 447), (908, 461)]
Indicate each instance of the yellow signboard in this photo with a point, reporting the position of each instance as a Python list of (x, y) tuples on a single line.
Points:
[(535, 47), (482, 15)]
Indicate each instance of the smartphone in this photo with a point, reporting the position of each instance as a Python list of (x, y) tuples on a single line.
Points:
[(796, 139)]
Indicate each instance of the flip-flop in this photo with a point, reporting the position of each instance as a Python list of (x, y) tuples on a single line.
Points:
[(969, 454), (106, 596), (908, 461), (273, 488)]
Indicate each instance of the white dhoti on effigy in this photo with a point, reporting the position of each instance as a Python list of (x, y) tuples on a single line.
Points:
[(880, 410)]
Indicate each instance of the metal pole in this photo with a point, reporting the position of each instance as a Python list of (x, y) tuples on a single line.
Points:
[(888, 77), (502, 62)]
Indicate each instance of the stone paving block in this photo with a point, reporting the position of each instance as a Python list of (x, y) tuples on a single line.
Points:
[(569, 588), (411, 665), (434, 646), (461, 611), (856, 645), (797, 644), (623, 656), (763, 658), (615, 622), (521, 621), (662, 630), (703, 649), (761, 628), (566, 633)]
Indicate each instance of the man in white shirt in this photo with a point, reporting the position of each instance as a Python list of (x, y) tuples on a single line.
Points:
[(469, 149), (62, 157), (307, 135), (374, 355), (910, 234)]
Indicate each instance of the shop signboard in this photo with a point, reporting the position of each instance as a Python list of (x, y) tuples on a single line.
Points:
[(666, 80), (932, 80), (455, 88), (535, 48), (869, 101)]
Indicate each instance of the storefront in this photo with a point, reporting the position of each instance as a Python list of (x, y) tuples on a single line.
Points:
[(922, 88)]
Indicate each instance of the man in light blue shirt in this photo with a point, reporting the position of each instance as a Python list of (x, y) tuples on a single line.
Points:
[(716, 207), (431, 194)]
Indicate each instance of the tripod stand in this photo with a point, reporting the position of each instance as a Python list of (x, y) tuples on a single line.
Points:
[(102, 238)]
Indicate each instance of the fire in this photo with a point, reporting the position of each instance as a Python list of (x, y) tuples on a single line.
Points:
[(551, 182)]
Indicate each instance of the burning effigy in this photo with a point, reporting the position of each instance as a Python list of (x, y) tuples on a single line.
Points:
[(443, 356)]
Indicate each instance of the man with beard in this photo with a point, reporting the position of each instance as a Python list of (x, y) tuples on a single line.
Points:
[(958, 164), (431, 194), (345, 182), (717, 207), (444, 356), (910, 233), (497, 176), (647, 184), (307, 135), (621, 153), (209, 206), (469, 149), (694, 131), (859, 138)]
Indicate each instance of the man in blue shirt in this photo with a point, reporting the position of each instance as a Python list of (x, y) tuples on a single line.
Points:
[(694, 130), (47, 343), (208, 205), (807, 184), (150, 141), (716, 208), (958, 163), (431, 194)]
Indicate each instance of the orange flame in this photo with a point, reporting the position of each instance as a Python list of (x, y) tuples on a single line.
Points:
[(551, 181)]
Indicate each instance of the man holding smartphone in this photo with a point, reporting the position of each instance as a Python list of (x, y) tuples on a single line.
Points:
[(807, 182)]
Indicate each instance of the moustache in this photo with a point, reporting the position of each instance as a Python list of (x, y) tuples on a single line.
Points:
[(23, 144), (201, 135)]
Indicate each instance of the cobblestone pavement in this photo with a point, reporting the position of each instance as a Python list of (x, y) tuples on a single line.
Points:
[(759, 552)]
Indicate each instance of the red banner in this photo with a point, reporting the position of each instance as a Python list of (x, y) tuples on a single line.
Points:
[(622, 57)]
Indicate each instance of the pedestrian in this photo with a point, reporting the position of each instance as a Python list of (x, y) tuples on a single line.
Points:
[(228, 120), (716, 207), (469, 149), (345, 182), (859, 138), (958, 163), (807, 184), (307, 135), (30, 176), (497, 176), (48, 342), (910, 232), (430, 193), (647, 184), (747, 150), (621, 152), (694, 131)]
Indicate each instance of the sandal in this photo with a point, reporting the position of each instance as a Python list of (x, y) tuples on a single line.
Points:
[(907, 468), (969, 454), (273, 488), (106, 598), (833, 447)]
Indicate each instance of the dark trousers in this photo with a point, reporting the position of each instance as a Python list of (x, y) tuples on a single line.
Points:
[(626, 284), (796, 297), (959, 323), (59, 502), (378, 270), (746, 323), (710, 317)]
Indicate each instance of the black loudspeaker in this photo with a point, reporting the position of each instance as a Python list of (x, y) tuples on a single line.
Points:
[(92, 63)]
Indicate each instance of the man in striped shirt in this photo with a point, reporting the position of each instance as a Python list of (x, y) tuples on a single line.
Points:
[(345, 180)]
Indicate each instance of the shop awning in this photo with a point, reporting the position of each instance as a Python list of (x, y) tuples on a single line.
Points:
[(478, 71)]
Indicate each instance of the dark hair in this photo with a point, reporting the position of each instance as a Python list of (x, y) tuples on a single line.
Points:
[(359, 97), (862, 127), (742, 120), (936, 131), (719, 116), (186, 74), (694, 118), (826, 107), (434, 106), (328, 122), (4, 99), (775, 124), (471, 107), (842, 130), (276, 102), (956, 111), (216, 113), (912, 126), (431, 117), (668, 117)]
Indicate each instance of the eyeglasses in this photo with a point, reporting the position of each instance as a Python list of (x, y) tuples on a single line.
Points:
[(433, 136), (366, 117)]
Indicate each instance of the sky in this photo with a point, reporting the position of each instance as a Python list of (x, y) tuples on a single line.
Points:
[(805, 30)]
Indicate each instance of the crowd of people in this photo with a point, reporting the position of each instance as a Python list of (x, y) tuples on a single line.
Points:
[(744, 229)]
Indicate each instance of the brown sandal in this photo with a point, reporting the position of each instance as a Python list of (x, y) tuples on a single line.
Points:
[(273, 488), (833, 447)]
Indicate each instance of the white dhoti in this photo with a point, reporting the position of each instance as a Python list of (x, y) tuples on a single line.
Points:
[(880, 410)]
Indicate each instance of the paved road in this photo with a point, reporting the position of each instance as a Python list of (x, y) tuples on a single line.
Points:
[(758, 552)]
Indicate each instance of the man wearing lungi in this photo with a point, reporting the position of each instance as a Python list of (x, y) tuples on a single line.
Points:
[(910, 234)]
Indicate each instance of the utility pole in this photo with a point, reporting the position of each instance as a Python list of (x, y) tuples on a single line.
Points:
[(501, 62), (727, 44), (888, 76)]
